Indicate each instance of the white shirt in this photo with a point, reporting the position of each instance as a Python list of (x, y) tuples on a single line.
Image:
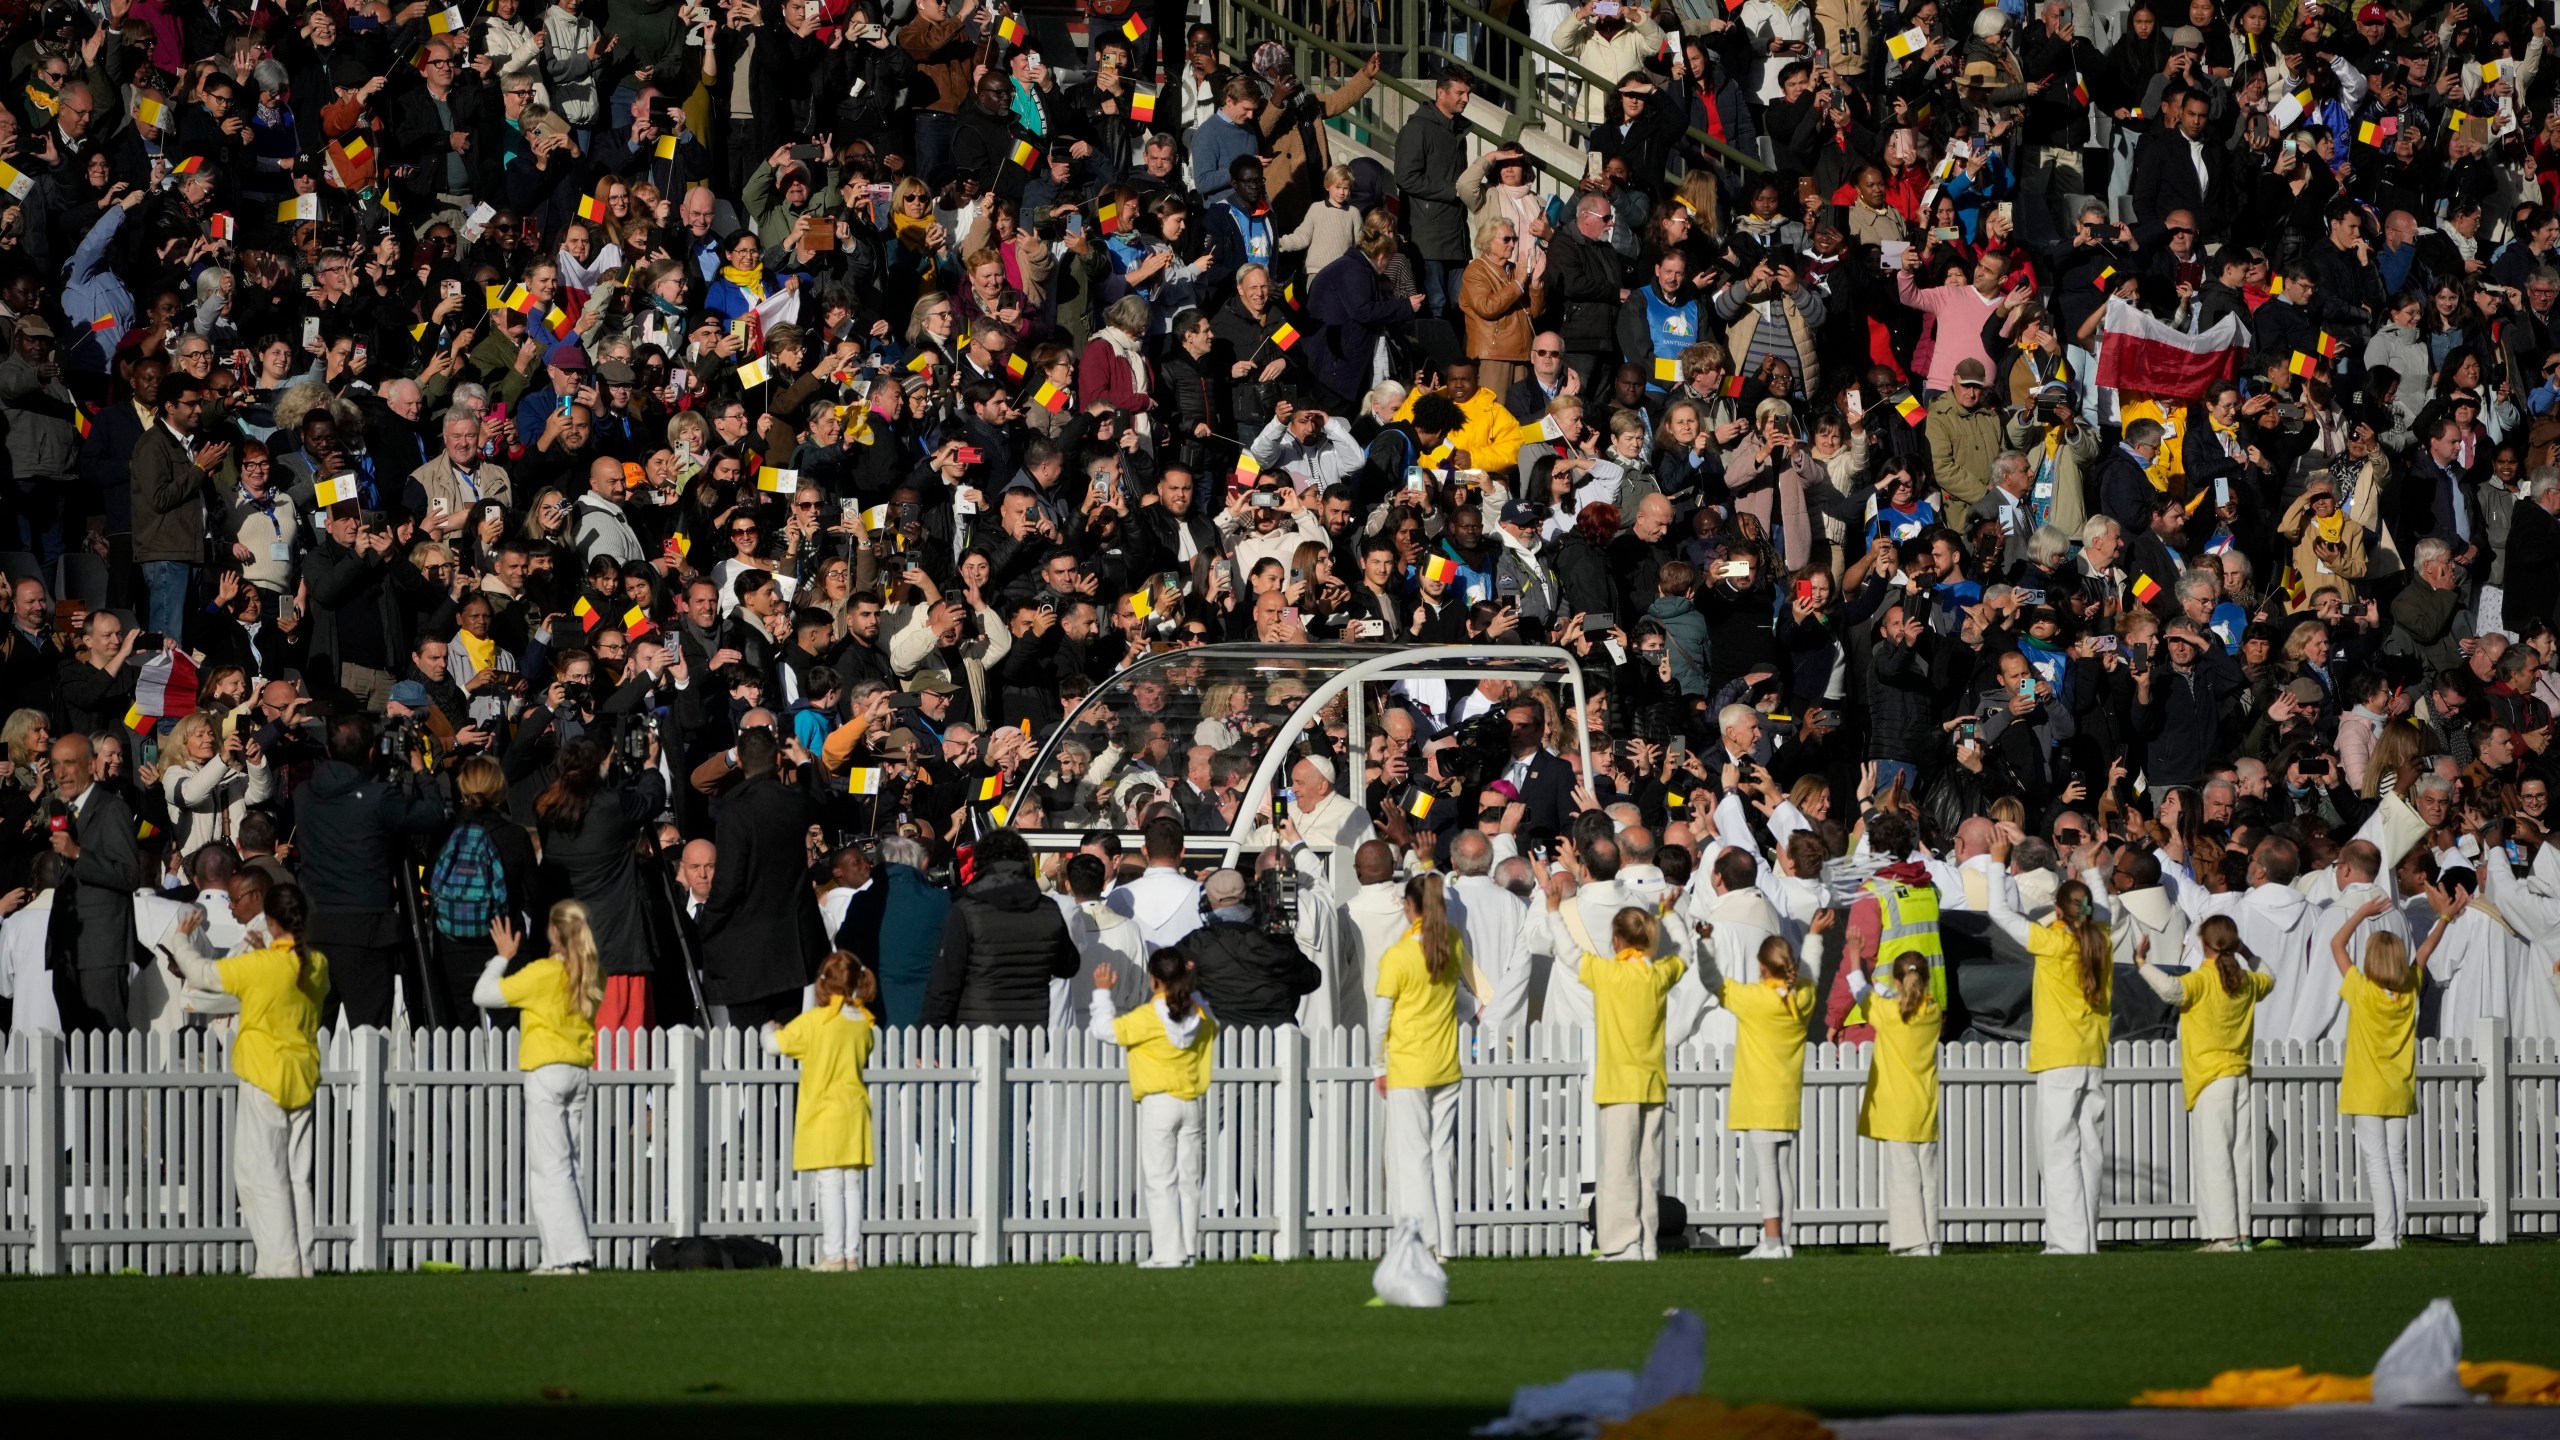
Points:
[(23, 978), (1164, 903)]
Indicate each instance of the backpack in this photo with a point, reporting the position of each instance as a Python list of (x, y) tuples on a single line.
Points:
[(469, 883), (714, 1252)]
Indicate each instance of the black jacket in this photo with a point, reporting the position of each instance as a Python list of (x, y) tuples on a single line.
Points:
[(760, 928), (1583, 281), (96, 891), (1004, 943), (343, 822), (1249, 977)]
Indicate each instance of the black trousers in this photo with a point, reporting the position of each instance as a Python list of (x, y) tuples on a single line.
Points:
[(91, 999), (776, 1009)]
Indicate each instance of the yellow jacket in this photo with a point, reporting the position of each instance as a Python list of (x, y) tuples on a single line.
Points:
[(1628, 1001), (2066, 1030), (278, 1047), (1491, 438), (2216, 1029), (1768, 1055), (2381, 1072), (1157, 1066), (1901, 1101), (1421, 1038), (555, 1031), (831, 1129)]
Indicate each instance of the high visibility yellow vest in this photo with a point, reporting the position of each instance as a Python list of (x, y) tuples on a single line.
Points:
[(1908, 915)]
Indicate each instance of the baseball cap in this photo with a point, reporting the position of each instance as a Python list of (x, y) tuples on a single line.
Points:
[(411, 694), (930, 682), (2371, 15), (2186, 37), (1969, 371), (569, 357), (1523, 512), (35, 325), (1223, 888)]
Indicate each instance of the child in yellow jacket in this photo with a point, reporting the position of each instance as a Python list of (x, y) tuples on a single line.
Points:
[(2378, 1085), (1767, 1100), (1170, 1042), (831, 1130), (1900, 1109), (1630, 994), (2217, 1032)]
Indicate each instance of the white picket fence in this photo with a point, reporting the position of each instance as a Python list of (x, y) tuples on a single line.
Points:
[(1000, 1147)]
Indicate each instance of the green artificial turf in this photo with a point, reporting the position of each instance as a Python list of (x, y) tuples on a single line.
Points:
[(1059, 1349)]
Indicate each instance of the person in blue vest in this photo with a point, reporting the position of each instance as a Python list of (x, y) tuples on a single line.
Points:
[(1240, 229), (1661, 320)]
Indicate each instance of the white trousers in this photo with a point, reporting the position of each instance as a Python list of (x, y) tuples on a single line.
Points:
[(2383, 1142), (271, 1171), (2222, 1136), (1170, 1165), (1626, 1204), (555, 1113), (1773, 1173), (2071, 1111), (839, 1211), (1911, 1196), (1422, 1162)]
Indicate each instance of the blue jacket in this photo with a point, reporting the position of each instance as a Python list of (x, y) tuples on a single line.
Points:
[(910, 939), (92, 291)]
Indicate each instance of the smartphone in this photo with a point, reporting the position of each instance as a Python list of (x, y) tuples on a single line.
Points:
[(453, 289), (360, 352), (1289, 615), (2190, 273), (1804, 591), (1075, 223), (968, 455), (1732, 569), (1416, 478), (870, 33), (1599, 622), (2006, 210), (2026, 689), (1678, 750), (2106, 644), (311, 330), (806, 152)]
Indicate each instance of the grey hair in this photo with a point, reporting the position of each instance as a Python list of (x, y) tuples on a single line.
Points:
[(209, 282), (2199, 582), (2099, 527), (2048, 547), (1989, 22), (2429, 551), (2032, 853), (1471, 853), (2433, 785), (2541, 480), (2009, 460), (1129, 314), (271, 75), (899, 850), (2145, 432)]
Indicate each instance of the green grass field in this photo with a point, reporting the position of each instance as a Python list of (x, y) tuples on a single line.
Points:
[(1272, 1348)]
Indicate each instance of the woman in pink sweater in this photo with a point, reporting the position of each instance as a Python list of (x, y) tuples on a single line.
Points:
[(1957, 309)]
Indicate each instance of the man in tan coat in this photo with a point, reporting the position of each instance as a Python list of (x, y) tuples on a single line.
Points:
[(1292, 125)]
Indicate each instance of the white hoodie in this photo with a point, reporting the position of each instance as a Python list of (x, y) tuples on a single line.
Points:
[(2304, 1005), (2136, 915)]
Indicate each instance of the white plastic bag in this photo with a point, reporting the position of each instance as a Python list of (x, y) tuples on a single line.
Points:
[(2423, 1366), (1409, 1276)]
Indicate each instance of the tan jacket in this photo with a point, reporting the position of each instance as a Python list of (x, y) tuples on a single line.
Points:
[(2323, 567), (1499, 312), (436, 477)]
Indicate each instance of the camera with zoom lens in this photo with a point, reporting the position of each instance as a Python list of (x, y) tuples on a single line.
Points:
[(632, 735), (398, 737), (1275, 896)]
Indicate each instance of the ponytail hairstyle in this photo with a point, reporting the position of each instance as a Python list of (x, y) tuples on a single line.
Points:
[(1911, 983), (842, 977), (288, 913), (2072, 908), (574, 946), (1439, 938), (1635, 928), (2386, 961), (1171, 969), (2222, 944), (1778, 959)]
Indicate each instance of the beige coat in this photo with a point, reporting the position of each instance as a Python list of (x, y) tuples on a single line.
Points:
[(2335, 566), (1295, 176)]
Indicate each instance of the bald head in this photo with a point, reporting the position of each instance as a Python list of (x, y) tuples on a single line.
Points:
[(1974, 836), (1374, 863), (2360, 861), (1471, 853), (1636, 845)]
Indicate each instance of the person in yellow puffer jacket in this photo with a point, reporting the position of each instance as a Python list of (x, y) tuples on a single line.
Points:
[(1490, 440)]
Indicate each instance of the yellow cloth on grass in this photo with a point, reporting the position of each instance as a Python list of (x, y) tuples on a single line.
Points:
[(2505, 1382)]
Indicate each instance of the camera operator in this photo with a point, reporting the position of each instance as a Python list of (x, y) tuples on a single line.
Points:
[(347, 819), (1249, 975), (568, 711), (589, 820)]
